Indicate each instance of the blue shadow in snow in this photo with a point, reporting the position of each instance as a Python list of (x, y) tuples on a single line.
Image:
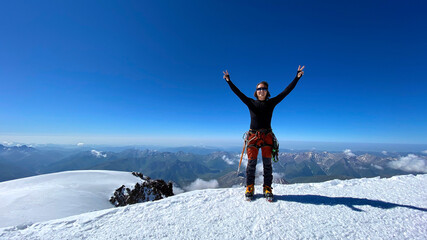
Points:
[(346, 201)]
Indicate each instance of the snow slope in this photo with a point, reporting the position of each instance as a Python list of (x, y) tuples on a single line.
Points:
[(394, 208), (58, 195)]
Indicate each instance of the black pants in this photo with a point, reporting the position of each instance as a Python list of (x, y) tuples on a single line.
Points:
[(268, 171)]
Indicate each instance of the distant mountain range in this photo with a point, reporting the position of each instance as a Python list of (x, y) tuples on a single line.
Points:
[(321, 166), (184, 167)]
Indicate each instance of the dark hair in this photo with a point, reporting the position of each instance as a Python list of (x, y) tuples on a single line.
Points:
[(268, 92)]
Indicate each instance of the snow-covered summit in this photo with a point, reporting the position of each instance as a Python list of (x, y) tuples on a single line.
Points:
[(394, 208), (58, 195)]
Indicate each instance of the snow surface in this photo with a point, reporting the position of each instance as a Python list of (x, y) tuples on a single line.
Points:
[(57, 195), (394, 208)]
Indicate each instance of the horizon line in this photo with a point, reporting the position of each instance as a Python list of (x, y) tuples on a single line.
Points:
[(154, 141)]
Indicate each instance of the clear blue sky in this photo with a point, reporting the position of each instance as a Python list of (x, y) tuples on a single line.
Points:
[(151, 71)]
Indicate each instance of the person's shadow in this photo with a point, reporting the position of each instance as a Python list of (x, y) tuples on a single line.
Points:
[(346, 201)]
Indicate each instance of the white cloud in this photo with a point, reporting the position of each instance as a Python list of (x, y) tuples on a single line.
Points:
[(425, 151), (259, 180), (259, 168), (228, 160), (177, 190), (349, 153), (80, 144), (244, 161), (278, 175), (98, 154), (377, 167), (202, 184), (384, 152), (7, 143), (259, 173), (410, 163)]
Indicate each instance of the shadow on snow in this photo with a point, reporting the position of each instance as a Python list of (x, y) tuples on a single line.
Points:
[(346, 201)]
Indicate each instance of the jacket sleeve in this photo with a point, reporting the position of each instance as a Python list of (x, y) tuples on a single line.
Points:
[(242, 96), (285, 92)]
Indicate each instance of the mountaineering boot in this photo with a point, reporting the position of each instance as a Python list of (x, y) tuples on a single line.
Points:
[(249, 194), (268, 193)]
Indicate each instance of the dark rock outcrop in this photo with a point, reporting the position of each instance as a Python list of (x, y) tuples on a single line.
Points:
[(148, 190)]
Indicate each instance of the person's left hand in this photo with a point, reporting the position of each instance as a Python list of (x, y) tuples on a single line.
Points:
[(300, 71)]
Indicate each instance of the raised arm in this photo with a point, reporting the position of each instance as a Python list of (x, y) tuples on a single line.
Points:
[(236, 91), (290, 87)]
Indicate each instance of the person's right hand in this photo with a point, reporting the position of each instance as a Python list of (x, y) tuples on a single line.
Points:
[(300, 71), (226, 76)]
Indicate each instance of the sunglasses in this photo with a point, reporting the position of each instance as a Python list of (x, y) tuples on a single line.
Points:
[(262, 89)]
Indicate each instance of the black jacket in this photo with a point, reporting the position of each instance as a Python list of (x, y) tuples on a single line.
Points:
[(262, 111)]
